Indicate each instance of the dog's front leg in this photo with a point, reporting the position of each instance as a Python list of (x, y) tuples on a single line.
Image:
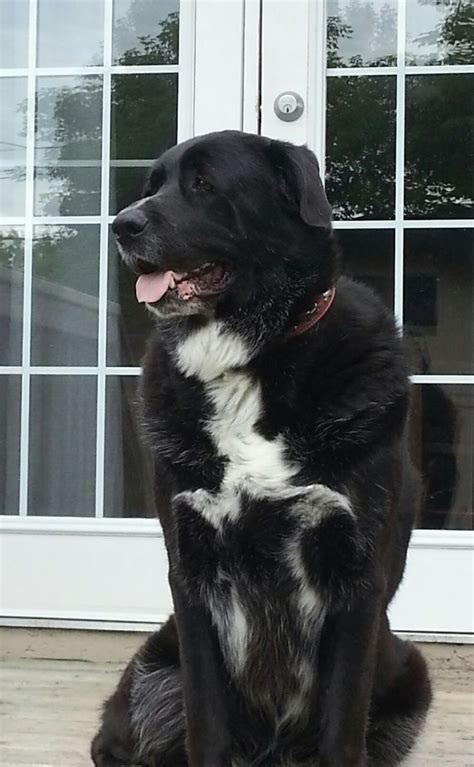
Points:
[(207, 732), (346, 682)]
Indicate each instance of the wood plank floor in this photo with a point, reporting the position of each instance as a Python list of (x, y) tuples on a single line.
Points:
[(49, 713)]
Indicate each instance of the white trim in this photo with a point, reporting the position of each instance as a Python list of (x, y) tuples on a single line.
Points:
[(449, 69), (117, 69), (28, 257), (317, 82), (146, 528), (187, 66), (137, 371), (442, 379), (400, 165), (251, 66), (83, 625), (73, 526), (103, 259), (353, 223), (146, 627)]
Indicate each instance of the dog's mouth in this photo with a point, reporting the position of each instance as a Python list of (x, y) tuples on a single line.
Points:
[(210, 279)]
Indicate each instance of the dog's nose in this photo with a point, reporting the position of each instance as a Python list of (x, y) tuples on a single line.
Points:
[(129, 223)]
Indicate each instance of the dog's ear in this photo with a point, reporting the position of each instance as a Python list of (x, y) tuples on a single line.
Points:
[(302, 181)]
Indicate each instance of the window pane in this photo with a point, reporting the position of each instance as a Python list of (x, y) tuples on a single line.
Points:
[(362, 34), (442, 437), (68, 146), (368, 256), (146, 32), (439, 300), (128, 325), (70, 33), (149, 128), (65, 295), (128, 471), (62, 446), (360, 168), (13, 98), (11, 295), (14, 34), (439, 172), (10, 397), (440, 32), (126, 185)]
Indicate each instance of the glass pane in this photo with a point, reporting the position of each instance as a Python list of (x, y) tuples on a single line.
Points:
[(62, 446), (126, 185), (439, 172), (439, 300), (149, 128), (68, 146), (11, 295), (440, 32), (362, 34), (13, 98), (360, 164), (146, 32), (368, 256), (128, 325), (442, 419), (13, 34), (10, 397), (70, 33), (65, 295), (128, 468)]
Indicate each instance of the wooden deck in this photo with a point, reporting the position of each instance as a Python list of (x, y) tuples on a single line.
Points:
[(49, 712)]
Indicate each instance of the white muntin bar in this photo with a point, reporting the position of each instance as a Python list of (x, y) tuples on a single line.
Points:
[(103, 258), (28, 257), (400, 163)]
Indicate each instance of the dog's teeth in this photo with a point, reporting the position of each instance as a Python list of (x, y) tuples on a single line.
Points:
[(172, 283)]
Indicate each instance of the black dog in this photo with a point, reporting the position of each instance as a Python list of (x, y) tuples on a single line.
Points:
[(275, 397)]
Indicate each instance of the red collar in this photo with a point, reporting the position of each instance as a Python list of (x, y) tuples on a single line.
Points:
[(322, 304)]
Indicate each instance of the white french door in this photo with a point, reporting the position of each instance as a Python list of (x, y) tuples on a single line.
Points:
[(388, 88), (82, 122)]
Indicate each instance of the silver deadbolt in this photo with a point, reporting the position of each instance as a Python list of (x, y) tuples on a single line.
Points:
[(288, 106)]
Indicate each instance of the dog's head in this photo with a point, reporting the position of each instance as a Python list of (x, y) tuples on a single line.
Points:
[(227, 221)]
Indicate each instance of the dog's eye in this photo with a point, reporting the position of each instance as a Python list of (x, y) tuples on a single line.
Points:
[(201, 184)]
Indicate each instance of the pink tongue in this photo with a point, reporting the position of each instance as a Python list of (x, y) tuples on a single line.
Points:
[(151, 287)]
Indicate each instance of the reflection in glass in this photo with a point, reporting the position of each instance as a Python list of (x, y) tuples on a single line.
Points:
[(11, 295), (70, 33), (368, 256), (65, 295), (13, 93), (14, 34), (439, 300), (360, 164), (62, 446), (128, 468), (126, 185), (442, 432), (439, 170), (10, 397), (128, 323), (361, 34), (68, 145), (145, 131), (146, 32), (440, 32)]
